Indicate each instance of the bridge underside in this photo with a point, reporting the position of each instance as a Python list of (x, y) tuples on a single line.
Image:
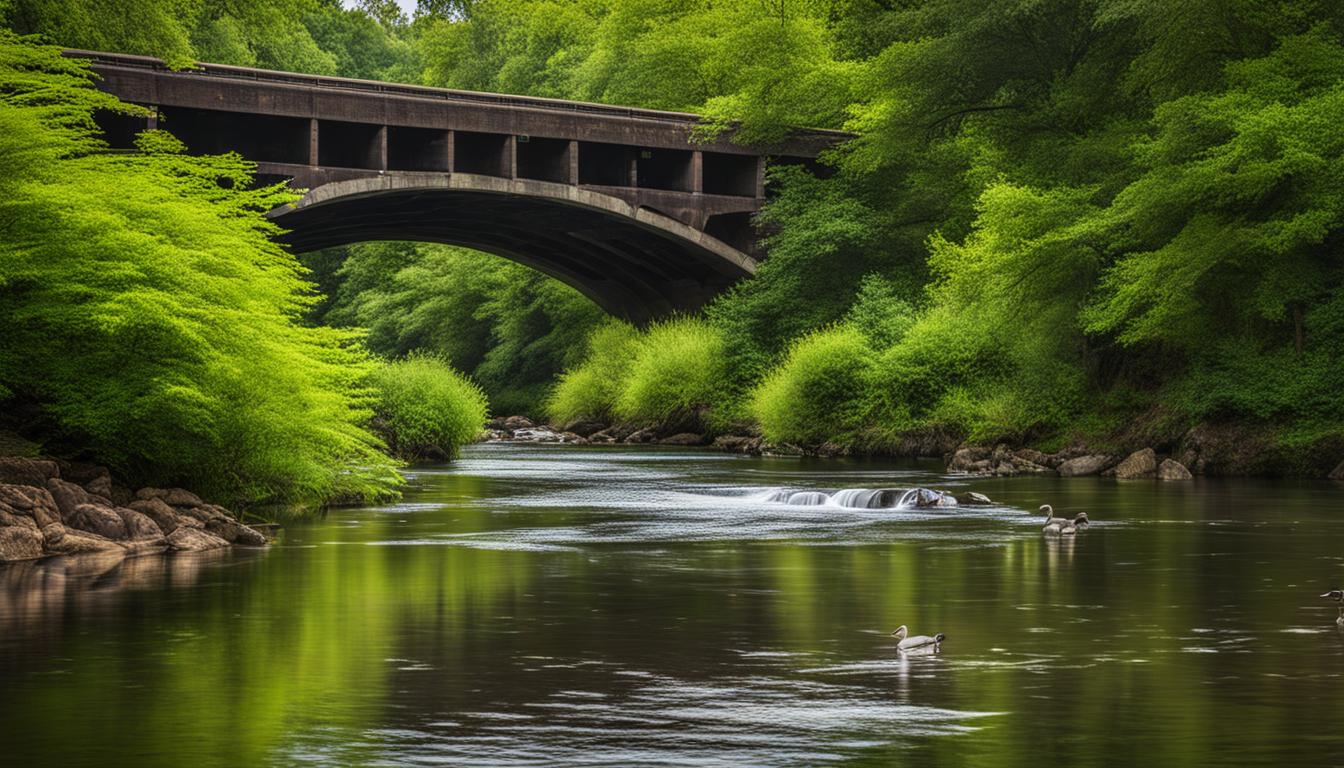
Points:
[(634, 263)]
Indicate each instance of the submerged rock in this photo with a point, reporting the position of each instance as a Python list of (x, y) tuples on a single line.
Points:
[(1170, 469), (1138, 464), (972, 499)]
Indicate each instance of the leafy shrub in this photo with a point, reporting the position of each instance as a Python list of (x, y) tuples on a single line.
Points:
[(677, 376), (819, 392), (151, 319), (590, 390), (424, 408)]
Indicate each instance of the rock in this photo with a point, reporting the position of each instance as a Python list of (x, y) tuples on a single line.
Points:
[(69, 497), (235, 532), (489, 435), (641, 436), (20, 541), (601, 437), (1337, 473), (621, 431), (738, 443), (1090, 464), (1173, 470), (30, 501), (925, 497), (121, 495), (61, 540), (515, 423), (92, 477), (972, 499), (19, 470), (536, 435), (1136, 465), (139, 526), (571, 437), (974, 459), (206, 512), (164, 516), (583, 428), (173, 497), (186, 539), (683, 438), (95, 518)]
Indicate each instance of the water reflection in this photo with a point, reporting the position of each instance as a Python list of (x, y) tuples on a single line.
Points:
[(563, 606)]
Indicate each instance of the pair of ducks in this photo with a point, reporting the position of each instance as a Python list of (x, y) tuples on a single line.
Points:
[(1338, 596), (1062, 526)]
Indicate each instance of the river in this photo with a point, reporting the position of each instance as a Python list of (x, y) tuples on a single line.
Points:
[(552, 605)]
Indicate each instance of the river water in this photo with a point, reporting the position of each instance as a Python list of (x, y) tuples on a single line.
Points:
[(555, 605)]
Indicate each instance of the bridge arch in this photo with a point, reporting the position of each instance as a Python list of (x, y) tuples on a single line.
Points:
[(634, 262)]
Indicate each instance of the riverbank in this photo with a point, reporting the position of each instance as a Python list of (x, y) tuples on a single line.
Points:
[(1206, 450), (53, 507)]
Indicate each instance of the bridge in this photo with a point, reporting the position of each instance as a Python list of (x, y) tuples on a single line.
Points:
[(620, 203)]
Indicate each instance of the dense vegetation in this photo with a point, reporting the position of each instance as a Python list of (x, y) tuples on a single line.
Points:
[(1107, 220), (424, 408)]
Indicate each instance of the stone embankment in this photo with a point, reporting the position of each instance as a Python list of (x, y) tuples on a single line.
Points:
[(1078, 462), (61, 508)]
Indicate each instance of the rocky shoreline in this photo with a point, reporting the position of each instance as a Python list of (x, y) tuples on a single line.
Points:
[(50, 507), (1207, 450)]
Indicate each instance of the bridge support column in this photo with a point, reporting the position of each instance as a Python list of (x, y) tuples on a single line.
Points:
[(511, 157), (697, 172), (312, 142), (572, 156), (760, 178), (381, 140)]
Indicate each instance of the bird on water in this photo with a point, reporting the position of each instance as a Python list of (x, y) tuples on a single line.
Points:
[(905, 642), (1062, 526)]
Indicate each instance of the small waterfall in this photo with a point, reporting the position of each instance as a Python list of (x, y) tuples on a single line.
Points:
[(809, 499), (862, 498)]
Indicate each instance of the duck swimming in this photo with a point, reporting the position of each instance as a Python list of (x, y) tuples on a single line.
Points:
[(1062, 525), (1338, 596), (905, 643)]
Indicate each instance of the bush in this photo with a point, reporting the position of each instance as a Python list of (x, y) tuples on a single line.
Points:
[(590, 390), (677, 376), (150, 318), (819, 393), (424, 408)]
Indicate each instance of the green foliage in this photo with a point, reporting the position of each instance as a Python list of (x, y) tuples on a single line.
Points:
[(512, 327), (820, 391), (424, 408), (150, 317), (590, 390), (676, 378)]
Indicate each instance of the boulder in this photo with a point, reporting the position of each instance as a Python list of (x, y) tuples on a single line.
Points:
[(1136, 465), (69, 497), (20, 541), (583, 428), (61, 540), (1090, 464), (186, 539), (514, 423), (96, 518), (972, 499), (572, 437), (139, 526), (91, 477), (164, 516), (738, 443), (601, 437), (683, 438), (235, 532), (641, 436), (19, 470), (536, 435), (1170, 469), (173, 497), (30, 501), (971, 459), (206, 512)]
